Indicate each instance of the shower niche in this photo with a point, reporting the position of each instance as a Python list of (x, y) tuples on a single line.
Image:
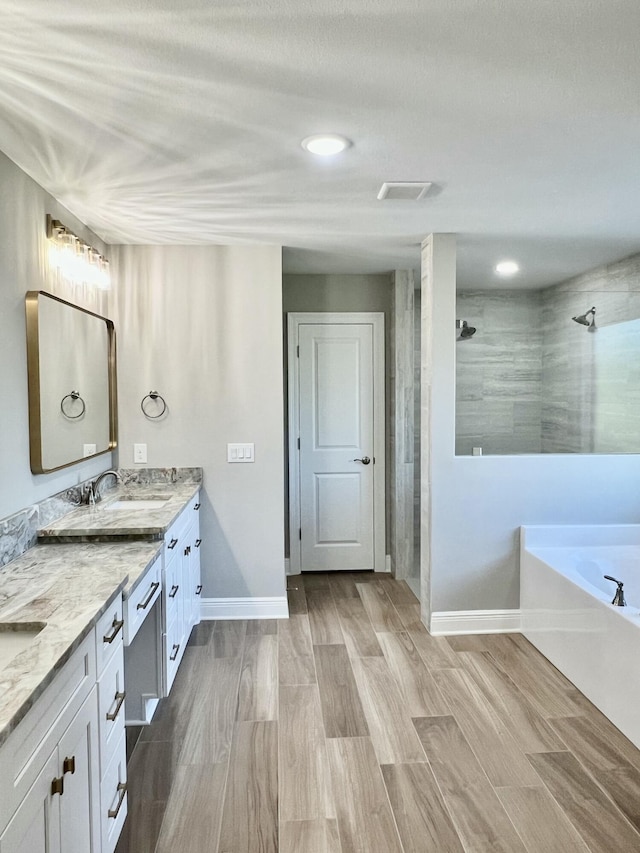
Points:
[(555, 370)]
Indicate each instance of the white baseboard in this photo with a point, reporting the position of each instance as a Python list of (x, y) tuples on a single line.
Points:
[(274, 607), (475, 622), (287, 566), (387, 563)]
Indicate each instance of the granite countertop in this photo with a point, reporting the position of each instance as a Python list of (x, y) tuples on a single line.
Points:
[(101, 524), (66, 588)]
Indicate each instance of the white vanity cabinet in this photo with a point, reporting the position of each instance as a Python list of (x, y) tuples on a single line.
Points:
[(58, 789), (182, 588), (49, 785)]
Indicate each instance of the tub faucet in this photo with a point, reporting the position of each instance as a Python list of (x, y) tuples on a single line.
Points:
[(93, 493), (618, 598)]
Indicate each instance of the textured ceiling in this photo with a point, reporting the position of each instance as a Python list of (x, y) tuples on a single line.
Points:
[(157, 121)]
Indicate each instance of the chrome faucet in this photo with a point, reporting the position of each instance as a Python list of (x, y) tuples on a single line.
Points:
[(93, 493), (618, 598)]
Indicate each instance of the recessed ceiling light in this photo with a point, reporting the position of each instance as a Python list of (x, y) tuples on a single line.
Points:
[(325, 144), (507, 268)]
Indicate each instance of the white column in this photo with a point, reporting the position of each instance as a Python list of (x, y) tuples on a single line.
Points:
[(438, 282)]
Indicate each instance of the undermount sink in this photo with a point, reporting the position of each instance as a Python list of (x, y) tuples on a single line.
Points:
[(15, 637), (131, 502)]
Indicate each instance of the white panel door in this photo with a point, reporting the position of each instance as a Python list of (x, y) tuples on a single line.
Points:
[(336, 459)]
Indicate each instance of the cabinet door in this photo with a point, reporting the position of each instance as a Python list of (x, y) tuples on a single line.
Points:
[(35, 827), (78, 761)]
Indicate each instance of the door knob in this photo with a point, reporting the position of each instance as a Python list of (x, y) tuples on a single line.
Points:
[(365, 460)]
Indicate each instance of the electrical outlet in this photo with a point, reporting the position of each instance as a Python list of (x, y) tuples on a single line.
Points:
[(139, 453)]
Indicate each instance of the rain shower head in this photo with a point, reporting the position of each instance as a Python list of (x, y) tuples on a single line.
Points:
[(465, 331), (582, 318)]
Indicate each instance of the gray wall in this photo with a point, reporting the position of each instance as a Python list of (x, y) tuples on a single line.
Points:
[(591, 401), (342, 293), (203, 326), (478, 503), (499, 372), (24, 266)]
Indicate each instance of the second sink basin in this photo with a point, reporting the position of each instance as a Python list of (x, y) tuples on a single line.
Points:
[(130, 502), (15, 637)]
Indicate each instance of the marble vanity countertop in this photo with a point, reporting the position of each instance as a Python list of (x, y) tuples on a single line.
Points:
[(103, 524), (65, 588)]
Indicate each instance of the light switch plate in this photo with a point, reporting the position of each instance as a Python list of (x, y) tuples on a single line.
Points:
[(139, 452), (241, 452), (88, 449)]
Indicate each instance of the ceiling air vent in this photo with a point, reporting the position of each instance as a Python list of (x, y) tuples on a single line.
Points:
[(404, 190)]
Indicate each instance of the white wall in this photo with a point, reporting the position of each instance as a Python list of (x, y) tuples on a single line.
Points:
[(23, 267), (478, 503), (203, 326)]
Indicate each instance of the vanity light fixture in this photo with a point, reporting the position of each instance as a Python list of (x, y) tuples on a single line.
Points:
[(74, 259), (326, 144), (507, 268)]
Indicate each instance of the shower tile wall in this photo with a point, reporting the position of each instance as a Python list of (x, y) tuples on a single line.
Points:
[(499, 373), (591, 380)]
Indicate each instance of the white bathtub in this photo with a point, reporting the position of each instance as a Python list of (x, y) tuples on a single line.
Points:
[(567, 612)]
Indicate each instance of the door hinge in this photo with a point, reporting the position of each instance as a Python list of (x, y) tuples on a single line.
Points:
[(298, 351), (300, 533), (298, 443)]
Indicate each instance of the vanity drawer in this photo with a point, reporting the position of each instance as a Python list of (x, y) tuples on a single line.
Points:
[(113, 797), (109, 633), (174, 536), (173, 590), (111, 696), (173, 650), (140, 602)]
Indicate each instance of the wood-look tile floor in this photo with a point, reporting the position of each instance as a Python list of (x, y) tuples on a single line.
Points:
[(349, 729)]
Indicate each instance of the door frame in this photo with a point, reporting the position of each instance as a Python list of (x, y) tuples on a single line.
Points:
[(376, 320)]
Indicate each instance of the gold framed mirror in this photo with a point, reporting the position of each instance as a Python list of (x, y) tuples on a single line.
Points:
[(71, 363)]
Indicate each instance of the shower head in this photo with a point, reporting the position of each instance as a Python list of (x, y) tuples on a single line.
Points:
[(465, 331), (582, 318)]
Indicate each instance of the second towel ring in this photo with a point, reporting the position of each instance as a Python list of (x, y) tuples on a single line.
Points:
[(73, 396), (153, 395)]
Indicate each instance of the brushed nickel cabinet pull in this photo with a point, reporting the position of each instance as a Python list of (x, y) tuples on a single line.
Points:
[(57, 786), (198, 543), (196, 506), (199, 589), (174, 655), (142, 605), (119, 699), (174, 591), (117, 627), (69, 765), (172, 544), (122, 793)]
